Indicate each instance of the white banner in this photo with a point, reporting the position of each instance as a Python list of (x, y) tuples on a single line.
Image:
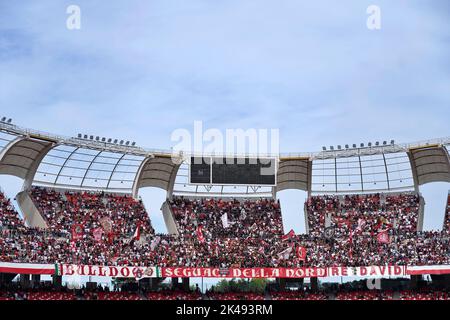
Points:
[(102, 271)]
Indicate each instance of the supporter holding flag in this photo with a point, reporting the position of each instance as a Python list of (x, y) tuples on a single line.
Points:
[(288, 236)]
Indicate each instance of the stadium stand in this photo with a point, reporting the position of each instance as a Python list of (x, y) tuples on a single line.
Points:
[(447, 216), (362, 214), (91, 210), (298, 295), (173, 295), (228, 219), (365, 295), (254, 237), (234, 296), (424, 295)]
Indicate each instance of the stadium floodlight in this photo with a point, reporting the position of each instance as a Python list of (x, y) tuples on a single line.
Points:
[(377, 143), (384, 143), (3, 119), (109, 140), (133, 143), (115, 141), (346, 146), (80, 136), (354, 145), (9, 120), (324, 148), (127, 143), (362, 145), (331, 148), (392, 142), (103, 139), (339, 147), (91, 137), (369, 144), (85, 136), (121, 142)]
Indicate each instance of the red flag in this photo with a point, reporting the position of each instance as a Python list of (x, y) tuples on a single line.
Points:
[(77, 232), (200, 236), (301, 253), (289, 235), (137, 233), (383, 237)]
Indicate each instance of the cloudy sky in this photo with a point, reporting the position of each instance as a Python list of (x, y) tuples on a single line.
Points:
[(142, 69)]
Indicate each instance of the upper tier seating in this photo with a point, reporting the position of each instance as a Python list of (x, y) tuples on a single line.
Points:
[(91, 210), (362, 214), (228, 219)]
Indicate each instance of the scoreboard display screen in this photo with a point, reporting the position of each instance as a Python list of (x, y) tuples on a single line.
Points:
[(233, 171), (200, 170)]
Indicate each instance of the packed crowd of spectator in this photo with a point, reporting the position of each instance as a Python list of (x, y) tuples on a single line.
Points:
[(298, 295), (251, 234), (447, 216), (365, 295), (362, 214), (221, 219), (424, 295), (91, 210)]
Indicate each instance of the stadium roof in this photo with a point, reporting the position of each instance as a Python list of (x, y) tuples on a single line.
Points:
[(99, 164)]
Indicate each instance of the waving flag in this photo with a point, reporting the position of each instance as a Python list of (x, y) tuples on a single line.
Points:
[(301, 253), (155, 242), (137, 233), (200, 236), (225, 220), (77, 232), (383, 237), (285, 254), (288, 236)]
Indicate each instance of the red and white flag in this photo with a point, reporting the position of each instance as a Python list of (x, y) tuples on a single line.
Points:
[(200, 236), (383, 237), (289, 235), (301, 253), (285, 254), (77, 232), (137, 233)]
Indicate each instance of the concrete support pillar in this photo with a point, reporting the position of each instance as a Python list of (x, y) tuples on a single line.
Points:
[(57, 281), (281, 284), (174, 283), (314, 284), (154, 282), (25, 280), (414, 282), (35, 280), (186, 287)]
